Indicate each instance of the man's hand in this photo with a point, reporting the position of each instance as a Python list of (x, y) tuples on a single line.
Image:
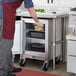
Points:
[(34, 16), (40, 24)]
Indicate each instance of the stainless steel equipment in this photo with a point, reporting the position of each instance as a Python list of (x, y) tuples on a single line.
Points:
[(50, 41)]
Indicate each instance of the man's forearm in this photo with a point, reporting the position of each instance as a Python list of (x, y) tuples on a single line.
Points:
[(33, 14)]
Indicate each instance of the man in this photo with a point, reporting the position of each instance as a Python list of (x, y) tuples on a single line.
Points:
[(7, 29)]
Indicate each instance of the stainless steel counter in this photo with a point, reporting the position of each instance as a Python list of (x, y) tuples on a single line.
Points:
[(54, 17)]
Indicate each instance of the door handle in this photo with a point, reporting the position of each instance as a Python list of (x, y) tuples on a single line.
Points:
[(73, 55)]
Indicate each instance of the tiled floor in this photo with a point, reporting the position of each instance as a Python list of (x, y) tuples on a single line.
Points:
[(36, 65)]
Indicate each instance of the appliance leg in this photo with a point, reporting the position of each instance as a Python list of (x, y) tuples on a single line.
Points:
[(13, 58), (75, 75), (45, 66)]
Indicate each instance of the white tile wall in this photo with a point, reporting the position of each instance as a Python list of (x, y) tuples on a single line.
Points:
[(39, 2), (66, 3), (60, 5)]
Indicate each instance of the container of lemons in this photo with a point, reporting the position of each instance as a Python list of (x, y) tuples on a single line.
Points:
[(38, 28)]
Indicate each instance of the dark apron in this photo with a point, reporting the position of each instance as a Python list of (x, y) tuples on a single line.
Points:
[(9, 16)]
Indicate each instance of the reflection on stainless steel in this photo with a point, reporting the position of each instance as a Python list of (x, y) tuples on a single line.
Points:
[(49, 1)]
